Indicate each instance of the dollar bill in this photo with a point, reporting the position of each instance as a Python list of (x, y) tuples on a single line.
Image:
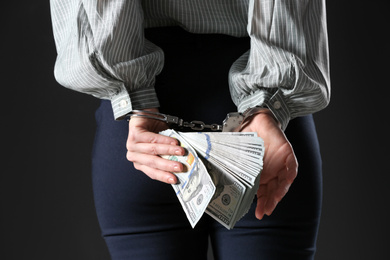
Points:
[(225, 204), (222, 174), (195, 187)]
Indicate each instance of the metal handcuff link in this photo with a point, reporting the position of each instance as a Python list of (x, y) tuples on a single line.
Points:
[(229, 124)]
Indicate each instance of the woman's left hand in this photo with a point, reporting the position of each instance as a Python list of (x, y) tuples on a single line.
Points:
[(280, 164)]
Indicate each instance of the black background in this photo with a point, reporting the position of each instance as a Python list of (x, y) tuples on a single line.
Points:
[(47, 131)]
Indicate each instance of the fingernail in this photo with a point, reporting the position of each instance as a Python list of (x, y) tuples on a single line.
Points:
[(171, 180), (178, 152)]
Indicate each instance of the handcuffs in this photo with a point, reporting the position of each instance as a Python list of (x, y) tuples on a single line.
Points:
[(229, 124)]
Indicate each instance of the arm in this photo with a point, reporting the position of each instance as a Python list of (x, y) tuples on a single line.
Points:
[(102, 52), (287, 68)]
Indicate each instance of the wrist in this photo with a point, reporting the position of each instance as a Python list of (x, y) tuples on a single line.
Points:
[(262, 113)]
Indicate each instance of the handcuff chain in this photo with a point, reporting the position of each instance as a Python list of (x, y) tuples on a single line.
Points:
[(199, 126), (193, 125)]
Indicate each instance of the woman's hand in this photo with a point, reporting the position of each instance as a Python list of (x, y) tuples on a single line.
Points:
[(144, 146), (280, 163)]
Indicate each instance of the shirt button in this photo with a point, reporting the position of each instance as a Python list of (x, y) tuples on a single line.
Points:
[(123, 103), (277, 105)]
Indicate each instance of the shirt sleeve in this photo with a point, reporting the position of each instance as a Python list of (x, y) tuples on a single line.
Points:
[(101, 51), (287, 67)]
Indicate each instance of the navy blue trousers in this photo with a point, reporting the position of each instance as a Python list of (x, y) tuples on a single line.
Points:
[(142, 219)]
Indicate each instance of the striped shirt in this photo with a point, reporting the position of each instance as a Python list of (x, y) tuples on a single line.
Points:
[(102, 50)]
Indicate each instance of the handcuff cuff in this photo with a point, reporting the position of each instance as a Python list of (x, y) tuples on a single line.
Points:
[(229, 124)]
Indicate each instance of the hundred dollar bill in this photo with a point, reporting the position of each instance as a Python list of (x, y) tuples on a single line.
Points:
[(195, 187), (225, 177), (236, 160), (225, 204)]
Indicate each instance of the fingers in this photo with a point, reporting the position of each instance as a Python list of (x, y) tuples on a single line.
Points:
[(272, 192), (268, 196), (261, 201), (157, 174), (146, 158), (276, 192), (149, 137), (155, 162), (155, 149), (144, 149)]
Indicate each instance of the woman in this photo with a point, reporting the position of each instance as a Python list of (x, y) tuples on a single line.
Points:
[(181, 57)]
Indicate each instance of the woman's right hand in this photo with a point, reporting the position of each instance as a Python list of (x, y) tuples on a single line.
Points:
[(144, 145)]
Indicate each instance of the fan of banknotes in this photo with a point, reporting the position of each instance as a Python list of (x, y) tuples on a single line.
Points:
[(222, 174)]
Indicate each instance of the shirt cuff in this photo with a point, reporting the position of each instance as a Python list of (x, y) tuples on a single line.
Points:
[(274, 101), (125, 102)]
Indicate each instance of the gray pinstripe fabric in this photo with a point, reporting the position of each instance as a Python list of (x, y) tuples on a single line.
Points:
[(102, 50)]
